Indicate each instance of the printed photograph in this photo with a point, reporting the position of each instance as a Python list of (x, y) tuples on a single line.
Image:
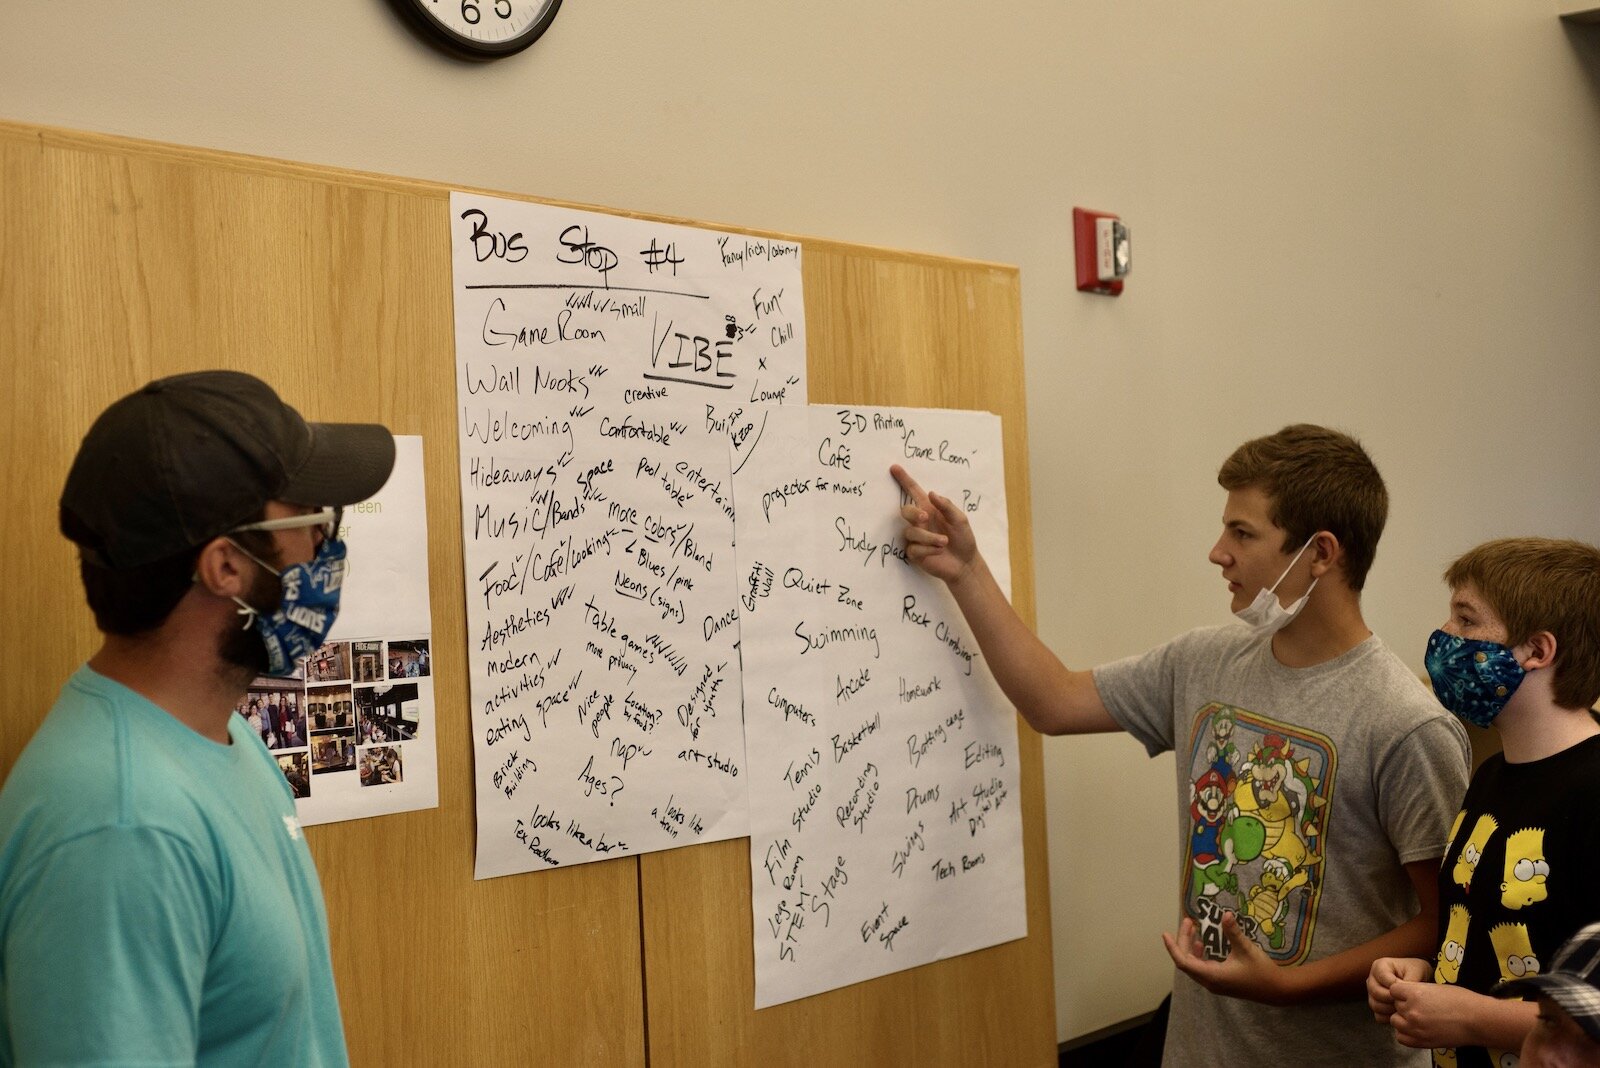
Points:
[(368, 661), (409, 660), (295, 769), (329, 708), (331, 663), (291, 722), (388, 713), (274, 709), (333, 751), (380, 766)]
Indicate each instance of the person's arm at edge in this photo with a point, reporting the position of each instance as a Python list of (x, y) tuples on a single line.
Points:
[(1050, 696)]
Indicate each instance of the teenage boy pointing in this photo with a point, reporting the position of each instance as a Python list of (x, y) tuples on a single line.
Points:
[(1317, 777)]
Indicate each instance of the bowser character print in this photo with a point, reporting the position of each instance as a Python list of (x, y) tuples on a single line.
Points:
[(1258, 802)]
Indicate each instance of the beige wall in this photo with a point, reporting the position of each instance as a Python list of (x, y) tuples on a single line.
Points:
[(1380, 215)]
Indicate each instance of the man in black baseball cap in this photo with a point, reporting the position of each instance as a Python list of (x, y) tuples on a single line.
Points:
[(157, 900), (1568, 1032)]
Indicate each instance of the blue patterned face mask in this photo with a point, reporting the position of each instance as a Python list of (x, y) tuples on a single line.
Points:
[(305, 613), (1471, 678)]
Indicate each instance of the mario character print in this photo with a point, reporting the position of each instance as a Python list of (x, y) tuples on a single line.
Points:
[(1258, 802)]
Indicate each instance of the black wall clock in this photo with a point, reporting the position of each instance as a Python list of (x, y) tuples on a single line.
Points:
[(480, 29)]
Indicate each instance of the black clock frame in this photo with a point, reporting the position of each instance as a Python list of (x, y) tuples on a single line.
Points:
[(441, 36)]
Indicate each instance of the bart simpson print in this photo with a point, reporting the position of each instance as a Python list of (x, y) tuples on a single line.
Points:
[(1472, 852), (1447, 968), (1515, 955), (1513, 950), (1526, 869)]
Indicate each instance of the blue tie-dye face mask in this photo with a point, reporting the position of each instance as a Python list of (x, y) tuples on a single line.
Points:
[(1471, 678)]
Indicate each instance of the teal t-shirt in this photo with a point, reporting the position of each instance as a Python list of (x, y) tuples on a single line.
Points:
[(158, 904)]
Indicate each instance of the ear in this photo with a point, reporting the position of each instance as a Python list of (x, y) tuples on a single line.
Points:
[(1326, 553), (222, 570), (1541, 650)]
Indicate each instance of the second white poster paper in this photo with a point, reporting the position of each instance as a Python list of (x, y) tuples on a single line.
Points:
[(882, 756)]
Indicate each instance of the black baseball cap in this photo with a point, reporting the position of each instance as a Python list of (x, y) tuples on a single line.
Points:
[(1573, 981), (190, 457)]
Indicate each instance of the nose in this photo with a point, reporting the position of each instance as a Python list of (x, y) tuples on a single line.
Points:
[(1219, 556)]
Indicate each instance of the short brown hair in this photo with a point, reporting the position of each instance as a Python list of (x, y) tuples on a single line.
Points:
[(1316, 479), (1551, 584)]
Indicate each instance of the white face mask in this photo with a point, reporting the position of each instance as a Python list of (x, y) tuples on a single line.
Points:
[(1265, 615)]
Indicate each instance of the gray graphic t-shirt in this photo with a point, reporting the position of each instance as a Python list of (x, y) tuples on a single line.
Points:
[(1302, 793)]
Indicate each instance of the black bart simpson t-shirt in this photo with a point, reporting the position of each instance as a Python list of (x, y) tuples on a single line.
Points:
[(1521, 875)]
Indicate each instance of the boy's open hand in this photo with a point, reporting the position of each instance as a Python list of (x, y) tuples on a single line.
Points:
[(1247, 973)]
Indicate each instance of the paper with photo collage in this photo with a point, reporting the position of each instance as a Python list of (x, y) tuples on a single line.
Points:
[(355, 731)]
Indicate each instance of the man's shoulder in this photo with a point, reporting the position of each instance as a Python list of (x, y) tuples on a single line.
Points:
[(73, 754), (87, 770)]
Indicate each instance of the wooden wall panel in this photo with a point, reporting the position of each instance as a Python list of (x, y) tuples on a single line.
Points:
[(121, 261)]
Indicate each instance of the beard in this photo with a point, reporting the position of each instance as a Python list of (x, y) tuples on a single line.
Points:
[(240, 647)]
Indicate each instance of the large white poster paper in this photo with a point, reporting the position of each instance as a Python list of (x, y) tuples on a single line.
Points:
[(354, 731), (884, 783), (606, 369)]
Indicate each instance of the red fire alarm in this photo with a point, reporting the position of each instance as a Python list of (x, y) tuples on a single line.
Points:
[(1104, 251)]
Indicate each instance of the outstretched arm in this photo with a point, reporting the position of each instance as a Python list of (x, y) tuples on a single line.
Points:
[(1052, 698)]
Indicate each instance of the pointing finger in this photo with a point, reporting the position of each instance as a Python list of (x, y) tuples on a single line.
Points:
[(909, 484)]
